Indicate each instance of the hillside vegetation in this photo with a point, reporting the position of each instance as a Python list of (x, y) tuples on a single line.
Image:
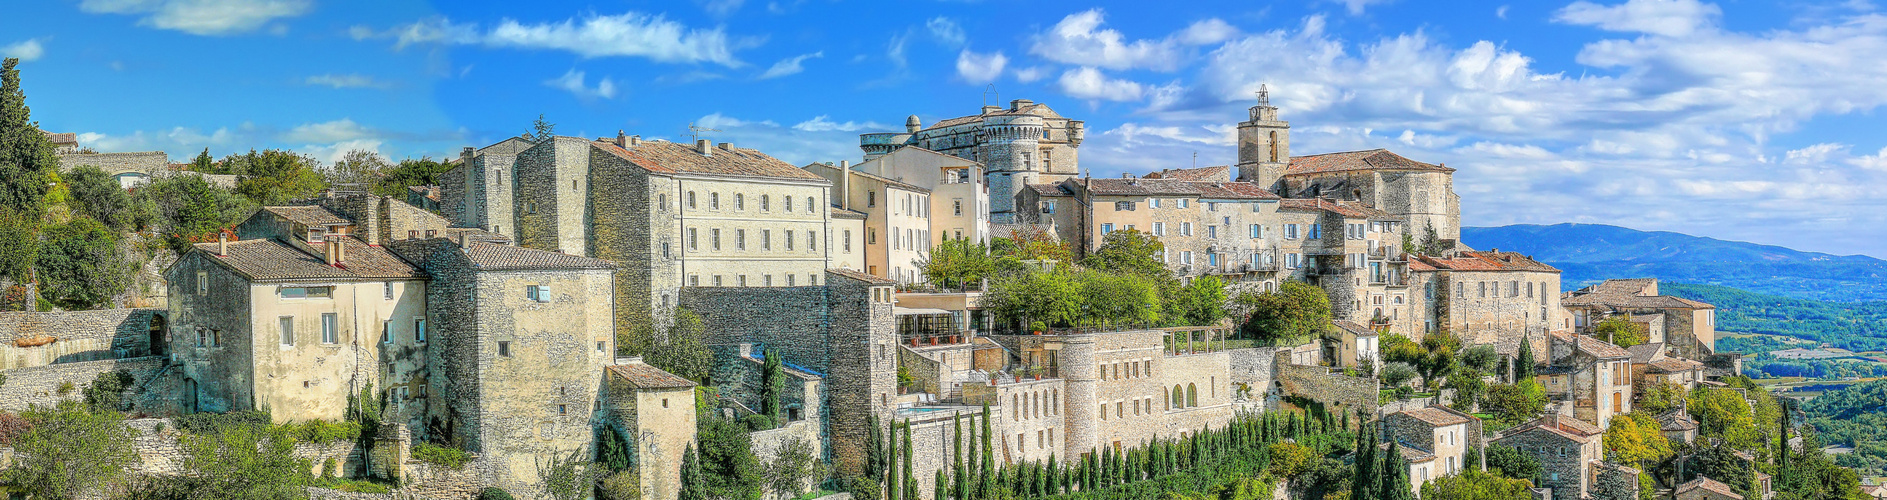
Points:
[(1856, 326), (1854, 416), (1588, 253)]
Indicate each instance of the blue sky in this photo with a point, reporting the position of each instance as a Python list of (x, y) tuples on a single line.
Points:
[(1750, 120)]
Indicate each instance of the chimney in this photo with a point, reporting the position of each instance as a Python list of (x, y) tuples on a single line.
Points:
[(620, 139), (635, 140), (1018, 104), (991, 109), (465, 239), (705, 147), (727, 146), (222, 244), (333, 250)]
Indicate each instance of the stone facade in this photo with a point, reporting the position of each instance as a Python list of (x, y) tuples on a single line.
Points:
[(44, 338), (1688, 327), (1337, 392), (1567, 450), (655, 411), (45, 385), (1026, 143), (1446, 435)]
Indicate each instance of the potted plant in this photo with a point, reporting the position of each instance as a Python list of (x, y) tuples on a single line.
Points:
[(1035, 371), (1038, 327)]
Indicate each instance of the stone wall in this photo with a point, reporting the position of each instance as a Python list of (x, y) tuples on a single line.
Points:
[(75, 336), (1561, 462), (41, 385), (117, 163), (1336, 391), (767, 445)]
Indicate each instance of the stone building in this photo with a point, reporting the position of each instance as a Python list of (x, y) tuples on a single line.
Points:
[(294, 316), (1651, 365), (959, 202), (1591, 376), (30, 339), (1026, 143), (845, 239), (1687, 327), (898, 218), (1354, 253), (1704, 488), (1441, 435), (656, 412), (1566, 448), (478, 192), (1357, 345), (1490, 297)]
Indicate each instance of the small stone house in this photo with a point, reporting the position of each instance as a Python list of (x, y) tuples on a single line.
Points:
[(1651, 364), (656, 413), (1704, 488), (1688, 326), (1443, 434), (1677, 426), (1567, 449), (1592, 375), (1357, 345)]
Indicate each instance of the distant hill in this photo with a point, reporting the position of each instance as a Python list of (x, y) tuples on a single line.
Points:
[(1588, 253), (1856, 326)]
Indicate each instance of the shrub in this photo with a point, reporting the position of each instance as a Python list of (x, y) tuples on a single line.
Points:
[(325, 432), (862, 488), (66, 387), (11, 427), (440, 455), (330, 468), (759, 422), (494, 494), (622, 485), (107, 391), (214, 423)]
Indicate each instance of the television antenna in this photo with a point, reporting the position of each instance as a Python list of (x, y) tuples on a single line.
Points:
[(695, 132), (990, 91)]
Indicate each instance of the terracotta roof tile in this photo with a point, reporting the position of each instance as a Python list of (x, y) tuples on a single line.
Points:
[(1673, 365), (1347, 209), (1433, 417), (308, 215), (1484, 261), (1591, 346), (272, 260), (1710, 485), (494, 257), (643, 376), (1219, 173), (1646, 353), (671, 157), (1048, 190), (1374, 159), (853, 274), (1354, 328), (1168, 187), (844, 213)]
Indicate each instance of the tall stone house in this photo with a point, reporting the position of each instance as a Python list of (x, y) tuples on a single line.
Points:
[(1026, 143), (1567, 449), (1687, 327), (479, 191), (1439, 436), (898, 219), (1490, 297), (1589, 376)]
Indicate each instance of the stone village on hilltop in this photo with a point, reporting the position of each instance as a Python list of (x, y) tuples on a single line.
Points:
[(487, 307)]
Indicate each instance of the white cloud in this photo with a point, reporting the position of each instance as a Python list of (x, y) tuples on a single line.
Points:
[(572, 82), (945, 30), (790, 65), (1089, 83), (980, 68), (1501, 12), (26, 50), (1658, 17), (332, 131), (631, 34), (720, 8), (330, 154), (1356, 7), (1078, 40), (1031, 74), (202, 17), (347, 81), (1876, 161), (822, 124)]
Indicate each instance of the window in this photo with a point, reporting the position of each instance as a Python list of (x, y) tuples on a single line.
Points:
[(1123, 206), (387, 290), (847, 240), (691, 200), (312, 292), (1107, 228), (1185, 203), (386, 332), (766, 204), (1290, 231), (714, 201), (740, 201), (329, 326), (789, 279), (740, 239), (1185, 257), (958, 206), (419, 329), (740, 280), (1212, 206), (766, 239), (717, 280), (537, 293), (1185, 229), (1212, 259), (203, 283), (661, 200), (788, 240), (871, 199), (812, 240), (1316, 231), (809, 205), (694, 280), (714, 238), (288, 330), (1257, 231), (1291, 261), (1212, 231), (1048, 207), (504, 348)]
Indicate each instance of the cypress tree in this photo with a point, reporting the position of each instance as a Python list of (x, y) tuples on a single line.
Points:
[(772, 384), (984, 489), (956, 451), (894, 490), (693, 485), (1523, 363), (1395, 474), (940, 487), (1366, 477), (910, 478), (1055, 484), (874, 449)]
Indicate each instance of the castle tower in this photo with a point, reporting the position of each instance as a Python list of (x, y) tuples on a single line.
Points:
[(1079, 368), (1264, 144), (1011, 153)]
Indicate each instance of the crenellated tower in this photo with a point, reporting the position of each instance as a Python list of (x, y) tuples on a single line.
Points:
[(1264, 144)]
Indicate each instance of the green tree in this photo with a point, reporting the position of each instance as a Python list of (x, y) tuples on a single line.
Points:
[(26, 157), (1289, 460), (541, 130), (204, 163), (694, 483), (684, 352), (1200, 303), (1657, 397), (106, 392), (1637, 439), (1515, 403), (910, 475), (875, 457), (1431, 242), (772, 385), (612, 451), (1724, 414), (1296, 310), (187, 207), (1052, 297), (1397, 373), (1482, 358), (1524, 360), (1512, 462), (1475, 485), (569, 476), (274, 177), (95, 194), (957, 263), (246, 461), (894, 486), (1722, 464), (1395, 474), (69, 452), (727, 460), (1366, 482), (1620, 330), (81, 266), (359, 169), (423, 171), (1129, 251), (1116, 299)]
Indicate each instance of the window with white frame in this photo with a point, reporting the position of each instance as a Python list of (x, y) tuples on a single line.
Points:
[(1159, 229), (1185, 257), (537, 293), (1185, 229), (1290, 231)]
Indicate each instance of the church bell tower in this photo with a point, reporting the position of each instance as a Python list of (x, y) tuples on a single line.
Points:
[(1264, 144)]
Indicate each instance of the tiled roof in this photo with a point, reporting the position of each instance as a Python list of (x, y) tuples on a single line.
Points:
[(853, 274), (1354, 328), (891, 182), (643, 376), (1219, 173), (670, 157), (494, 257), (1591, 346), (272, 260), (1167, 187), (1414, 455), (1347, 209), (1483, 261), (1710, 485), (1676, 420), (1645, 353), (1434, 417), (1049, 190), (846, 213), (1628, 293), (1374, 159), (1673, 365), (476, 234), (308, 215), (1037, 109)]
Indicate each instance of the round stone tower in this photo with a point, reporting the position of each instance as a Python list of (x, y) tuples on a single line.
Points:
[(1081, 373), (1010, 145)]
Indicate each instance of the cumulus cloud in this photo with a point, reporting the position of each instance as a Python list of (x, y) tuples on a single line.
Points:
[(330, 154), (202, 17), (790, 65), (631, 34), (822, 123), (1031, 74), (1657, 17), (1089, 83), (346, 81), (344, 129), (1356, 7), (1079, 40), (980, 68), (720, 8), (945, 30), (26, 50), (572, 82)]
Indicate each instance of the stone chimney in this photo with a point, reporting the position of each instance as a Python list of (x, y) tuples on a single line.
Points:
[(991, 109), (465, 239), (621, 140), (222, 244), (705, 147), (727, 146), (634, 140), (333, 250), (1018, 104)]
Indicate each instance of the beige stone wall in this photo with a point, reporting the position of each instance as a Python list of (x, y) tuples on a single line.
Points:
[(765, 254), (845, 244), (312, 378), (661, 424)]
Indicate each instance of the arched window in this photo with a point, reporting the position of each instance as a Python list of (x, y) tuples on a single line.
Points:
[(1179, 397), (1274, 146), (1192, 395)]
